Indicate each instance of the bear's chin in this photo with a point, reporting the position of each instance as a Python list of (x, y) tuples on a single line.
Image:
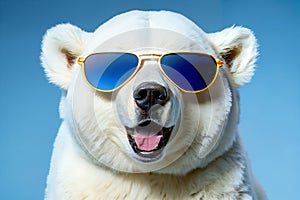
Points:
[(148, 140)]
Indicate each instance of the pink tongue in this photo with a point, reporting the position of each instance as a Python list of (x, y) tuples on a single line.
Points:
[(146, 142)]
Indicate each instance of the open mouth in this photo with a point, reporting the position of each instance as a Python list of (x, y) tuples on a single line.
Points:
[(148, 139)]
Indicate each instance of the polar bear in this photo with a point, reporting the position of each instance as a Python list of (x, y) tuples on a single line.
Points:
[(149, 135)]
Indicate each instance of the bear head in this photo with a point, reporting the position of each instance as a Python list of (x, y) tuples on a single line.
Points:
[(149, 124)]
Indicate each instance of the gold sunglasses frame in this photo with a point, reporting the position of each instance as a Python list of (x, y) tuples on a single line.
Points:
[(219, 64)]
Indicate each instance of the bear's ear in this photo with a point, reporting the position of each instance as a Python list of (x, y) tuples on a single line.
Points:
[(238, 47), (61, 47)]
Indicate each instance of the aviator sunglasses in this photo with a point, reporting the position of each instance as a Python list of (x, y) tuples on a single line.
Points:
[(190, 72)]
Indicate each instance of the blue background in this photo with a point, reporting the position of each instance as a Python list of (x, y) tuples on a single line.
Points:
[(270, 104)]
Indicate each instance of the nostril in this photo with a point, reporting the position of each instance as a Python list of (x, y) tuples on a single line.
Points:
[(157, 94), (141, 94), (161, 93)]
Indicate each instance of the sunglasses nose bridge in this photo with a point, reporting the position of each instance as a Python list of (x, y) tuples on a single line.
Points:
[(143, 58), (149, 71), (148, 57)]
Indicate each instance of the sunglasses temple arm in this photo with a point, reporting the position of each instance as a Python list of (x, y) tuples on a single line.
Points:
[(80, 60), (220, 63)]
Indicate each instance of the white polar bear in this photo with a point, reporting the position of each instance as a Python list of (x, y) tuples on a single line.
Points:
[(150, 137)]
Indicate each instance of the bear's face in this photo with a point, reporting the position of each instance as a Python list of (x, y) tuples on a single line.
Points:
[(149, 124)]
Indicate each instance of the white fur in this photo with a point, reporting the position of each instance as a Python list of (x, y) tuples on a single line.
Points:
[(204, 160)]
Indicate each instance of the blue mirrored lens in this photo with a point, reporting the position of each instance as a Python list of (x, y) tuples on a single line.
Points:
[(107, 71), (190, 71)]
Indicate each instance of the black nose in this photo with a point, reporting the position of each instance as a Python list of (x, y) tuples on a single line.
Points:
[(149, 94)]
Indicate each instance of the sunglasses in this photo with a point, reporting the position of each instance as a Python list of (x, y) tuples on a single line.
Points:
[(190, 72)]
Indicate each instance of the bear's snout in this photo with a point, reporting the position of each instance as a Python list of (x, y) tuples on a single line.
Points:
[(149, 94)]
